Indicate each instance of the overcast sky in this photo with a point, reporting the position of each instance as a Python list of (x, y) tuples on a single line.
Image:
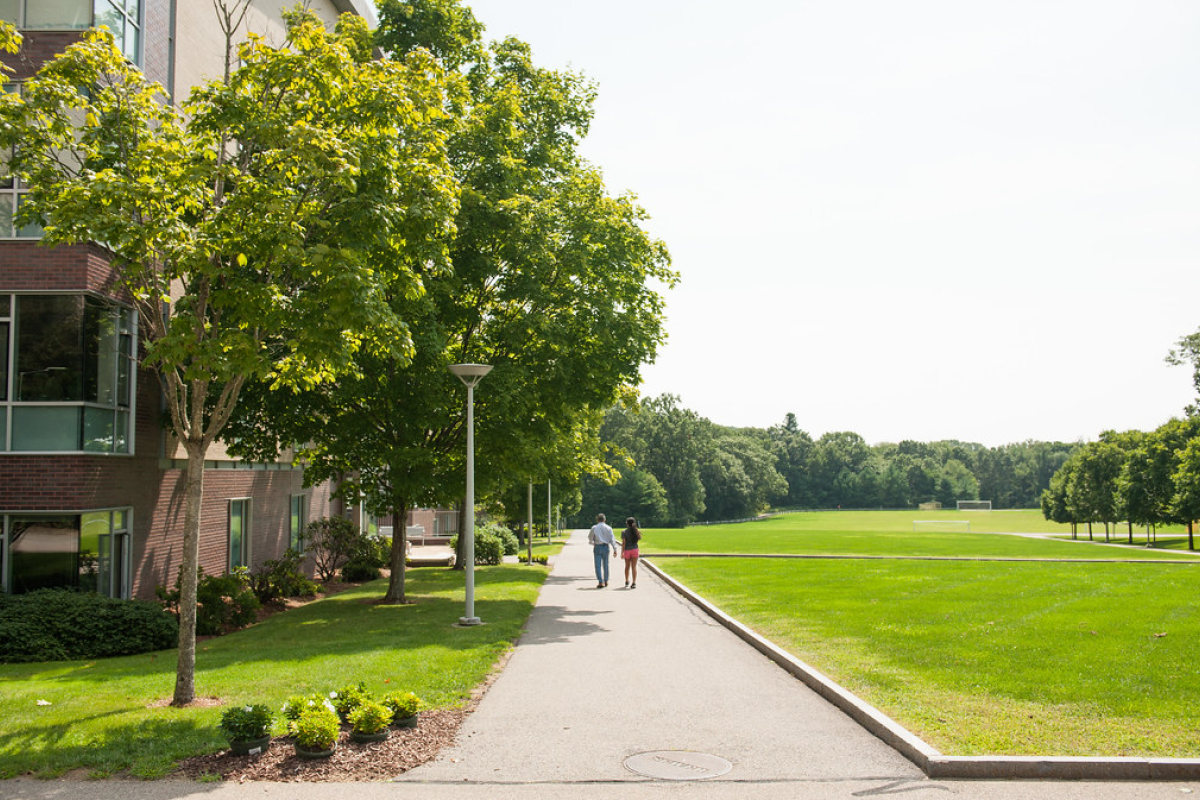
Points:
[(933, 219)]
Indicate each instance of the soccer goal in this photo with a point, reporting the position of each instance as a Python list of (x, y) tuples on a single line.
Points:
[(956, 523), (974, 505)]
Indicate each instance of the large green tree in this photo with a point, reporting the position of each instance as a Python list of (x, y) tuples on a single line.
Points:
[(553, 284), (260, 228)]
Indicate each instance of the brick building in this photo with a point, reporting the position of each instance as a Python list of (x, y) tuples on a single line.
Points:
[(91, 490)]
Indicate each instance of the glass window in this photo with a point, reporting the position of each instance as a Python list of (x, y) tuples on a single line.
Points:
[(44, 551), (297, 519), (239, 533), (40, 428), (3, 360), (10, 11), (49, 348), (58, 14), (123, 18), (68, 349)]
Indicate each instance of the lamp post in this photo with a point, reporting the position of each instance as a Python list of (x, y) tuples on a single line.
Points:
[(470, 375)]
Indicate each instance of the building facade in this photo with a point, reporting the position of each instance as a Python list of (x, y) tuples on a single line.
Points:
[(91, 489)]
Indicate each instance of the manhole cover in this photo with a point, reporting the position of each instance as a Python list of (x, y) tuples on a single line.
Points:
[(677, 765)]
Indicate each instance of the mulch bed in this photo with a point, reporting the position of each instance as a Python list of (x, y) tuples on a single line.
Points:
[(404, 749)]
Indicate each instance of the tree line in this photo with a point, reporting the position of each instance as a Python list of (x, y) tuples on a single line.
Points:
[(1139, 478), (668, 466)]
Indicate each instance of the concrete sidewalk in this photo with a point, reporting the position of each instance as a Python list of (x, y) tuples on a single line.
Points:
[(603, 674)]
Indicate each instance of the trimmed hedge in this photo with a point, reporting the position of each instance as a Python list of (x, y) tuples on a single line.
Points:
[(61, 625)]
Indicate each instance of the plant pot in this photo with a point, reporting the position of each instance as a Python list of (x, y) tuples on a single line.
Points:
[(250, 747), (367, 738), (304, 752), (406, 722)]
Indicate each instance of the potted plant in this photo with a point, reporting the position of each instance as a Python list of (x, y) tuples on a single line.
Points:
[(297, 704), (348, 698), (405, 707), (248, 729), (370, 722), (316, 732)]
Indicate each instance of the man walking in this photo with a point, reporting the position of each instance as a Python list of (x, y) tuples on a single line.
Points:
[(604, 546)]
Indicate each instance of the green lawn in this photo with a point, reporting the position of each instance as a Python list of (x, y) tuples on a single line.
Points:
[(892, 533), (976, 657), (108, 716)]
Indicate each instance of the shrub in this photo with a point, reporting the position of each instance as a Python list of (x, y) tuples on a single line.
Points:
[(332, 542), (402, 704), (60, 625), (358, 570), (489, 550), (348, 698), (224, 603), (370, 717), (297, 704), (277, 579), (508, 540), (316, 729), (246, 723), (538, 558)]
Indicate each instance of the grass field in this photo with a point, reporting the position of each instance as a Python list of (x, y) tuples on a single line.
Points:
[(976, 657), (892, 533), (107, 716)]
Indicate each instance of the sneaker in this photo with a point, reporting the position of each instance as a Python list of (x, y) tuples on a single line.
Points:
[(633, 585), (599, 585)]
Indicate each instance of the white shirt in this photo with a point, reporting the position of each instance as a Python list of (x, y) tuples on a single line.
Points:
[(601, 533)]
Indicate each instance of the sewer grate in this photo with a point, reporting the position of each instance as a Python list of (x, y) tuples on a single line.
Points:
[(677, 765)]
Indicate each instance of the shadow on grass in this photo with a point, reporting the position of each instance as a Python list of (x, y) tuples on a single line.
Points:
[(143, 747)]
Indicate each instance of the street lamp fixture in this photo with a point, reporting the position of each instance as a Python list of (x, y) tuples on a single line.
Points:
[(470, 375)]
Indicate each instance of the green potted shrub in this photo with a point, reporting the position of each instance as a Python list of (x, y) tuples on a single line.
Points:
[(406, 707), (297, 704), (348, 698), (369, 722), (248, 729), (316, 732)]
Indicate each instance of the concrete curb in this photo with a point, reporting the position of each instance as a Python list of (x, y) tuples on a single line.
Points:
[(933, 763)]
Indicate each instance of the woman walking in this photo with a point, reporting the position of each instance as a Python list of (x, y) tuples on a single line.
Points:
[(629, 550)]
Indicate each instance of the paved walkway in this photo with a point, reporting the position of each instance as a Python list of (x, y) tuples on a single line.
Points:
[(604, 674)]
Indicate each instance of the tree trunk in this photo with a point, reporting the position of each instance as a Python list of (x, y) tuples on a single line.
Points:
[(1191, 541), (398, 560), (1090, 537), (193, 498), (1130, 524)]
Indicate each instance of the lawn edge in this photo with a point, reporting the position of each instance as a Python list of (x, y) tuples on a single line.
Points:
[(931, 761)]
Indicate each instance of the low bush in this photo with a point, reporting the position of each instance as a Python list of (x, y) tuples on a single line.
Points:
[(402, 704), (370, 717), (277, 579), (332, 541), (508, 540), (316, 729), (348, 698), (489, 550), (538, 558), (246, 723), (358, 570), (297, 704), (224, 603), (61, 625)]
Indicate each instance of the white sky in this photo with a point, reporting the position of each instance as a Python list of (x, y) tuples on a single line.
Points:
[(932, 219)]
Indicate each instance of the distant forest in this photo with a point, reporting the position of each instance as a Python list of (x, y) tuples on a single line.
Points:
[(676, 467)]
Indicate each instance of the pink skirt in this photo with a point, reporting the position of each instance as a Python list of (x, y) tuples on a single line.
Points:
[(629, 554)]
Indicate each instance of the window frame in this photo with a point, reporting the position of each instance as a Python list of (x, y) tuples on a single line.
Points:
[(118, 582), (137, 21), (297, 520)]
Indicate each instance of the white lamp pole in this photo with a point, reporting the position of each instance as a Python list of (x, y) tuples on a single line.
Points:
[(470, 375)]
